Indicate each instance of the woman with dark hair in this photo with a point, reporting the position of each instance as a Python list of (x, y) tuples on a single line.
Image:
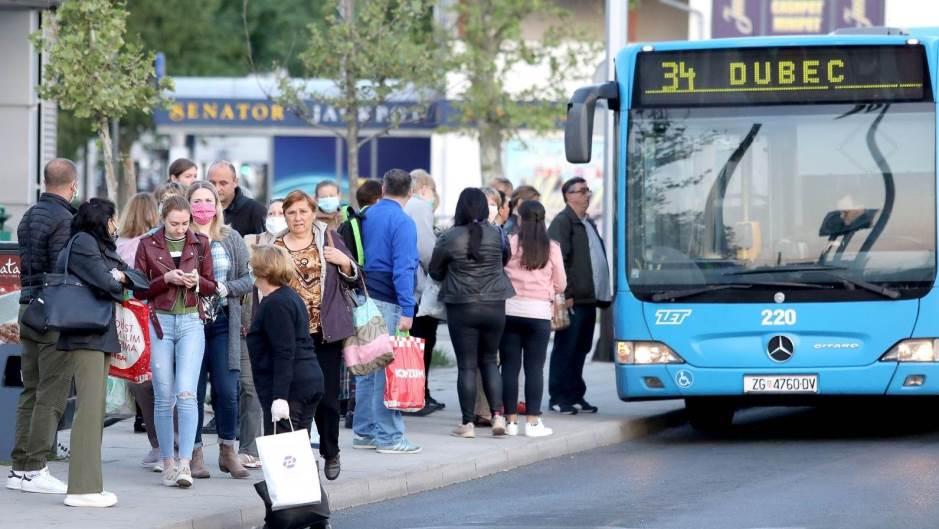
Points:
[(520, 196), (183, 171), (92, 257), (536, 270), (468, 260)]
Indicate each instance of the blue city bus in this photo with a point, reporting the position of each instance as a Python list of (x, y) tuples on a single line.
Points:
[(775, 219)]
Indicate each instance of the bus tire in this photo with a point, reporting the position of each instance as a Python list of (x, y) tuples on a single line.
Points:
[(712, 416)]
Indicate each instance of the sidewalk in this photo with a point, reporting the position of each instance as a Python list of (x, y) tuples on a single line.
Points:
[(221, 502)]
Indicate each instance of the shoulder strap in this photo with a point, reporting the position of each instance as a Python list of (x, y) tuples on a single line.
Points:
[(68, 251), (357, 235)]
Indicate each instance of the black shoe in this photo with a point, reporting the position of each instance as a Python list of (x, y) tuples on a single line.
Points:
[(139, 426), (482, 422), (565, 409), (332, 468), (348, 420), (585, 407), (209, 428), (426, 410), (432, 402)]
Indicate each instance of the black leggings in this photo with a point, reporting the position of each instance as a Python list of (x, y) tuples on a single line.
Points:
[(426, 327), (329, 356), (475, 330), (525, 340)]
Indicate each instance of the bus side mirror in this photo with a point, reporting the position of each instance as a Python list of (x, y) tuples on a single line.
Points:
[(578, 130)]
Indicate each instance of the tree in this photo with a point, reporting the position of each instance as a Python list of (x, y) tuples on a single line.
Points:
[(374, 50), (94, 72), (489, 47)]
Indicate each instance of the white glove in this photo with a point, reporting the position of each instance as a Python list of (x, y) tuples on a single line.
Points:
[(280, 410), (221, 289), (116, 274)]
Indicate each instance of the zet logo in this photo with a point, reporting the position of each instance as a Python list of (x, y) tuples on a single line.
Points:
[(671, 317)]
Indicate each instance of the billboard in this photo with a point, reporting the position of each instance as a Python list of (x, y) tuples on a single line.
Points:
[(752, 18), (9, 293)]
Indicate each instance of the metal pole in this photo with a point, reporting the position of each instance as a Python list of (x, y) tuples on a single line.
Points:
[(617, 22)]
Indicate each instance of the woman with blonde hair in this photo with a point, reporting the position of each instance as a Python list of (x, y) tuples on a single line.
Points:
[(222, 359), (321, 260)]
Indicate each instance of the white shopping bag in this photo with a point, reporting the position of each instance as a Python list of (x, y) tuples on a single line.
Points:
[(289, 469)]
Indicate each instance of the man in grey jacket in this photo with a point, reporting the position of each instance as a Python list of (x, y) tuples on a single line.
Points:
[(421, 210)]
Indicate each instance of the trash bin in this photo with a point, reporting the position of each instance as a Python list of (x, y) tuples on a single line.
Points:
[(11, 384)]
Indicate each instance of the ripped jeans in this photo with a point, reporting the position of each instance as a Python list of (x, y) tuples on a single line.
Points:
[(176, 361)]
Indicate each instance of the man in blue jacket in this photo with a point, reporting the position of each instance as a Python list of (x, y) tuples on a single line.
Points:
[(391, 259)]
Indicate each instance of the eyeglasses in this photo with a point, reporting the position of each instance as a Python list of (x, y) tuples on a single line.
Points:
[(581, 191)]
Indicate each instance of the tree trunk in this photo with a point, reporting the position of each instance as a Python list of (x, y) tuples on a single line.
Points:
[(490, 152), (128, 182), (104, 134)]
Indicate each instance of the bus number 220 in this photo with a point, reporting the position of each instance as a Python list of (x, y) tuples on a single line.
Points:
[(778, 317)]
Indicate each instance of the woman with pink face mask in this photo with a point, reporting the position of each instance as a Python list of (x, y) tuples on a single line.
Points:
[(222, 360)]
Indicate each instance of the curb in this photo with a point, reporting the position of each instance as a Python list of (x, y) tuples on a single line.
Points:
[(362, 492)]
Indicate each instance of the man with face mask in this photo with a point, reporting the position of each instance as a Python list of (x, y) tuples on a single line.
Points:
[(47, 372)]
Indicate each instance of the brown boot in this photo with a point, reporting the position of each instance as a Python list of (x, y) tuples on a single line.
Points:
[(197, 465), (228, 462)]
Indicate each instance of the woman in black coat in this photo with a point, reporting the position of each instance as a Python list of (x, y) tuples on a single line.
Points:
[(287, 375), (92, 257)]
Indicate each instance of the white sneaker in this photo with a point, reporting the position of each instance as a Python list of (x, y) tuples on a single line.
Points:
[(184, 477), (158, 467), (15, 480), (101, 499), (169, 477), (511, 429), (152, 458), (537, 430), (43, 482)]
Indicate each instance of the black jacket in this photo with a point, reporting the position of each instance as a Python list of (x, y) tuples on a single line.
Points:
[(42, 233), (568, 230), (464, 280), (245, 215), (92, 261), (283, 359)]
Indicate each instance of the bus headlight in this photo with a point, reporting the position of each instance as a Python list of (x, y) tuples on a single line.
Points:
[(917, 350), (629, 352)]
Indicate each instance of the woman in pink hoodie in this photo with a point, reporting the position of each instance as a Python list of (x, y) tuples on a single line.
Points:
[(536, 270)]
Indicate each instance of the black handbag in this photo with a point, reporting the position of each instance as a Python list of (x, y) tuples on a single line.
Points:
[(71, 305), (314, 516)]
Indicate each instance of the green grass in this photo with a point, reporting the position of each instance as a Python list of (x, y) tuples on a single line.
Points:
[(440, 359)]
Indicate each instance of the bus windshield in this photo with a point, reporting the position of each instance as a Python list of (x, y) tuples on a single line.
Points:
[(817, 198)]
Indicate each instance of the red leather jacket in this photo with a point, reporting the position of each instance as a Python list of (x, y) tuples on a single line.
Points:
[(153, 260)]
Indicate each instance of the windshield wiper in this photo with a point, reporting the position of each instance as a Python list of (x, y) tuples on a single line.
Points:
[(831, 271), (691, 292)]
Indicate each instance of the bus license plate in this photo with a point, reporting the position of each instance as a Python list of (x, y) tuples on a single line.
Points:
[(780, 384)]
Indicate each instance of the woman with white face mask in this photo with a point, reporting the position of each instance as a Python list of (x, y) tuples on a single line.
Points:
[(494, 198)]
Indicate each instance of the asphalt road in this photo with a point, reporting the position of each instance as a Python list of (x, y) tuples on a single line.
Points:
[(837, 467)]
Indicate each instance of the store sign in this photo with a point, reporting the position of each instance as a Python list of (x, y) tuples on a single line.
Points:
[(9, 293), (751, 18), (264, 113)]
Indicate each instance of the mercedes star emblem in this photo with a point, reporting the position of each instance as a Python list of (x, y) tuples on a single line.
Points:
[(779, 297), (780, 348)]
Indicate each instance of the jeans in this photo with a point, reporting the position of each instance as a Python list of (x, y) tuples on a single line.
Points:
[(176, 361), (475, 330), (47, 379), (250, 415), (524, 341), (566, 384), (372, 419), (91, 381), (224, 381)]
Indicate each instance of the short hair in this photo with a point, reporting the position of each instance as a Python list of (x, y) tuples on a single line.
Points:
[(421, 179), (569, 184), (223, 164), (368, 193), (502, 184), (326, 183), (140, 216), (168, 188), (180, 166), (92, 218), (174, 203), (396, 183), (297, 196), (273, 264), (59, 172), (274, 201), (494, 194)]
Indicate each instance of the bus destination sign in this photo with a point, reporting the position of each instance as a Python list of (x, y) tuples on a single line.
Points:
[(787, 75)]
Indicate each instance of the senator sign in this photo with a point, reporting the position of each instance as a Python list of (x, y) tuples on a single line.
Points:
[(202, 112)]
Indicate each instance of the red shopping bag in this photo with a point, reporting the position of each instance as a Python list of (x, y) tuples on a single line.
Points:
[(133, 331), (404, 376)]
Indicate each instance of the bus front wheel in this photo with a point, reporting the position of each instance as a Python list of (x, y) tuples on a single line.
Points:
[(710, 415)]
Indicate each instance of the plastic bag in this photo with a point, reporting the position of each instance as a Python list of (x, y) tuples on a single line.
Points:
[(133, 331), (119, 401), (404, 376)]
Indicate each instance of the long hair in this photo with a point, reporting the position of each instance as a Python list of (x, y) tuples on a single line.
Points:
[(472, 209), (92, 218), (140, 216), (218, 230), (533, 240)]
